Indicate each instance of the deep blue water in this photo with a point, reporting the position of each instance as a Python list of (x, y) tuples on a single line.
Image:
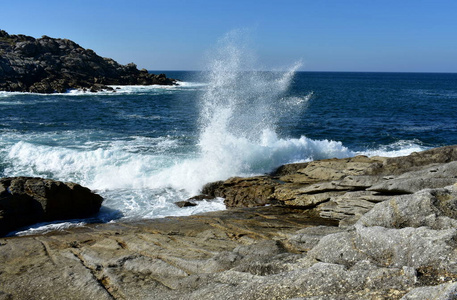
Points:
[(369, 110), (143, 148)]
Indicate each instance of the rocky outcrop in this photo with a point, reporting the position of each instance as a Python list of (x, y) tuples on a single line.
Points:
[(48, 65), (342, 189), (401, 244), (26, 200), (246, 253)]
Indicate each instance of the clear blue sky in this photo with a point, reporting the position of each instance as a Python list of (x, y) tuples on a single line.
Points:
[(327, 35)]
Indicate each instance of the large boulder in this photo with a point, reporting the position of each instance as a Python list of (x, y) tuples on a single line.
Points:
[(27, 200)]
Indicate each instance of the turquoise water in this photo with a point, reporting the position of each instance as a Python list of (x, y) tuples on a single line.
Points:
[(143, 148)]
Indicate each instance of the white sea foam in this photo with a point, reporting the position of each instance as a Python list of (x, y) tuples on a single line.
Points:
[(110, 165), (400, 148), (4, 94), (41, 228), (118, 89)]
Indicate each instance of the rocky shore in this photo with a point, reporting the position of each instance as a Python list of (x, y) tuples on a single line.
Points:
[(49, 65), (355, 228)]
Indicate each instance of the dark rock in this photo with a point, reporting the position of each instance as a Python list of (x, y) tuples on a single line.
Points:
[(242, 192), (186, 203), (193, 201), (202, 197), (27, 200), (48, 65)]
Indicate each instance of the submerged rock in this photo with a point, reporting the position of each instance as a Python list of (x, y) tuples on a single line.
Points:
[(194, 200), (28, 200), (48, 65)]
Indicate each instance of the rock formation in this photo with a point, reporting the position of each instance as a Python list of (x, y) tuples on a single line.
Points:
[(355, 228), (341, 189), (48, 65), (26, 200)]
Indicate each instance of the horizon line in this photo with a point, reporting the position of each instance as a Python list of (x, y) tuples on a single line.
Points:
[(314, 71)]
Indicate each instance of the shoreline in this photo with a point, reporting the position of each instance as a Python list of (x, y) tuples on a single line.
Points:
[(386, 230)]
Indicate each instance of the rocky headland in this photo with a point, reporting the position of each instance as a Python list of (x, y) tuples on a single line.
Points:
[(354, 228), (49, 65)]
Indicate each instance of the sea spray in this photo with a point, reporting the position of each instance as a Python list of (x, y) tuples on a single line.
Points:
[(240, 109)]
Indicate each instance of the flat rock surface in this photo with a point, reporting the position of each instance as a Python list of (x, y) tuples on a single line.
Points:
[(155, 259)]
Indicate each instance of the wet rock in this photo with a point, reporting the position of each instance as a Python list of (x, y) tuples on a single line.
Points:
[(194, 200), (186, 203), (26, 200), (243, 192)]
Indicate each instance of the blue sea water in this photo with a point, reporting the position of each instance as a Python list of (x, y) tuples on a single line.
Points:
[(145, 147)]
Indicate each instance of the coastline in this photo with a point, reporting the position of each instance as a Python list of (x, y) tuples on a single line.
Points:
[(52, 65), (386, 230)]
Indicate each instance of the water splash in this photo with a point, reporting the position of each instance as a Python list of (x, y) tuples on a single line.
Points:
[(239, 101), (239, 113)]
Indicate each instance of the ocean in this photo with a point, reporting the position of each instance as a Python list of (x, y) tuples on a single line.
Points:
[(145, 147)]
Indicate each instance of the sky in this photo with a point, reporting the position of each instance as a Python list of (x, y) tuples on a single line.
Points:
[(326, 35)]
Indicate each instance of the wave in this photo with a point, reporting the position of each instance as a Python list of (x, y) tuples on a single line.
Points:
[(399, 148), (159, 163)]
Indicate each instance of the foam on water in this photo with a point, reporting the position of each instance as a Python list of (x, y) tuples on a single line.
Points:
[(400, 148), (102, 166), (123, 172), (118, 89)]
